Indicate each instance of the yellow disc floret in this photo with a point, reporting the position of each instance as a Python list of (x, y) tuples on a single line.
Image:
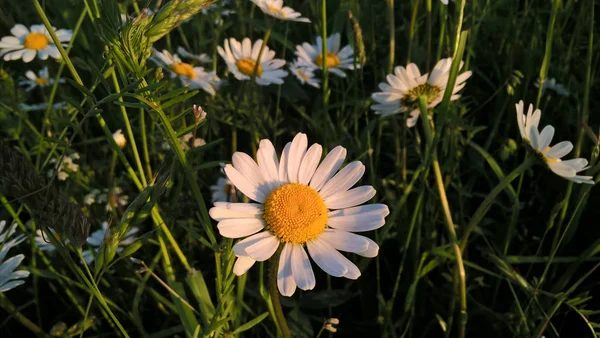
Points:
[(40, 81), (247, 65), (295, 213), (277, 11), (184, 69), (331, 59), (35, 40)]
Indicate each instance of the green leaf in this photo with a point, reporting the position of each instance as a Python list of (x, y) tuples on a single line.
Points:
[(251, 323), (200, 291), (188, 319)]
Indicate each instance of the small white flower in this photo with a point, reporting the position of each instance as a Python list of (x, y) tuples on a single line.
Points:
[(186, 144), (199, 113), (300, 204), (275, 9), (41, 106), (26, 44), (540, 143), (43, 242), (9, 278), (42, 79), (241, 59), (119, 138), (99, 236), (406, 85), (190, 76), (553, 85), (311, 56), (305, 75), (92, 197), (223, 191), (66, 167)]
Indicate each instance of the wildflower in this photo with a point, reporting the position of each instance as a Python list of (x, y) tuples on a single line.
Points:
[(9, 278), (406, 85), (41, 106), (199, 113), (223, 191), (304, 75), (300, 204), (42, 241), (26, 44), (553, 85), (113, 198), (311, 56), (65, 167), (193, 77), (540, 143), (42, 79), (119, 138), (99, 236), (275, 9), (241, 59)]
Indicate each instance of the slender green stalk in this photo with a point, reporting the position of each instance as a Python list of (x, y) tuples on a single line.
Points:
[(548, 51), (460, 275), (324, 55), (392, 31), (260, 52), (274, 293)]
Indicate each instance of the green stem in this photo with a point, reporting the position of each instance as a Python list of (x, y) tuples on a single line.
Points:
[(274, 293), (260, 52), (13, 311), (460, 275), (548, 51), (324, 55), (392, 27)]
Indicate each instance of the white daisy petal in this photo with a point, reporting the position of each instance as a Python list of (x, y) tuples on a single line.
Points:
[(372, 250), (343, 180), (236, 210), (240, 227), (374, 209), (263, 249), (357, 223), (345, 241), (561, 169), (285, 278), (310, 163), (295, 156), (283, 172), (301, 268), (546, 137), (325, 257), (240, 247), (332, 162), (268, 162), (243, 184), (560, 149), (242, 265), (350, 198)]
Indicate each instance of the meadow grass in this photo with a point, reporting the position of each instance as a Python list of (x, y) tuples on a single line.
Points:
[(112, 157)]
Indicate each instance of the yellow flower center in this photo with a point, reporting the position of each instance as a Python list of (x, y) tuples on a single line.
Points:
[(331, 59), (40, 81), (35, 40), (295, 213), (277, 11), (549, 159), (184, 69), (411, 98), (247, 65)]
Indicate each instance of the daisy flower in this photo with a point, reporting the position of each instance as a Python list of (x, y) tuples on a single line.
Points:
[(553, 85), (223, 191), (241, 61), (406, 85), (27, 43), (311, 56), (193, 77), (41, 106), (97, 238), (305, 75), (540, 143), (42, 79), (275, 9), (9, 278), (301, 205)]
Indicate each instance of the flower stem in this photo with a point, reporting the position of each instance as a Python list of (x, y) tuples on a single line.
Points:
[(460, 275), (274, 293), (324, 55)]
